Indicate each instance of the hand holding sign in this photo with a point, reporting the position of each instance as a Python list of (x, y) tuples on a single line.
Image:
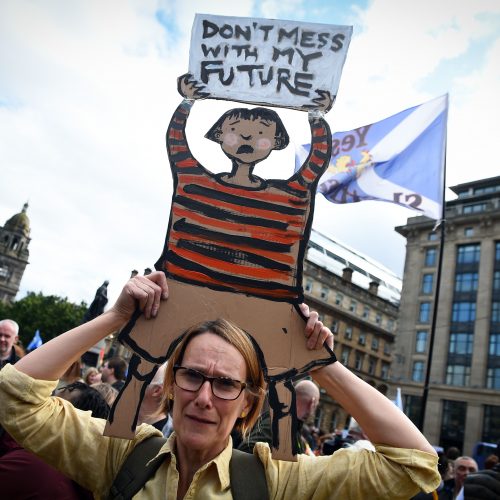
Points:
[(323, 103), (189, 88)]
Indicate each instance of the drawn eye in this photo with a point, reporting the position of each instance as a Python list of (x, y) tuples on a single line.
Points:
[(260, 132), (232, 129)]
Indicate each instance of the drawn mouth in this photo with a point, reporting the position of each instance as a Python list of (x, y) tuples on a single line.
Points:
[(245, 149)]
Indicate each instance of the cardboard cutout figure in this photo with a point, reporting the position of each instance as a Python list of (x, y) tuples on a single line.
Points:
[(234, 249)]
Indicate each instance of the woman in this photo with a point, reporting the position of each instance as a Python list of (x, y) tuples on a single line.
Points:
[(92, 376), (197, 455)]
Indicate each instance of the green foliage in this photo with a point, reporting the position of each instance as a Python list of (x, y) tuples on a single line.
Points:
[(50, 314)]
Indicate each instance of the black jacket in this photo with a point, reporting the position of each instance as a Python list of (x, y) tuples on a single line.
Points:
[(11, 359)]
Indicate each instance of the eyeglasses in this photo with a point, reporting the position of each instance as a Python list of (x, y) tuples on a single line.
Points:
[(222, 387)]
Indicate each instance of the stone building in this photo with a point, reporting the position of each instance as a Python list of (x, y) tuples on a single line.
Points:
[(14, 253), (463, 404), (358, 299)]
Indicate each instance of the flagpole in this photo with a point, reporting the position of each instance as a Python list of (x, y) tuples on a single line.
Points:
[(425, 392)]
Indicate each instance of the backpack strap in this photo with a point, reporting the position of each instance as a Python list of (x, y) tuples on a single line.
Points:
[(246, 472), (136, 471), (248, 477)]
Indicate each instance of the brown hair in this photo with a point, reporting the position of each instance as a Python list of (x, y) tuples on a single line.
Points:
[(244, 345)]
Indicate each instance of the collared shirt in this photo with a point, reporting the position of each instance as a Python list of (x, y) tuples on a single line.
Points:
[(71, 440)]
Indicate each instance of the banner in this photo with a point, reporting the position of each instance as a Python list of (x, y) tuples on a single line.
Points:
[(400, 160), (36, 342), (267, 61)]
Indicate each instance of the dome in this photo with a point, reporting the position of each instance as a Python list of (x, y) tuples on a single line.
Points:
[(19, 222)]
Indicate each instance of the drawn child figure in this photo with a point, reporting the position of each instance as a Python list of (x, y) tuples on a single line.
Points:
[(234, 249)]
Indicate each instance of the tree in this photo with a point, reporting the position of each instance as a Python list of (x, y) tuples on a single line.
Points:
[(50, 314)]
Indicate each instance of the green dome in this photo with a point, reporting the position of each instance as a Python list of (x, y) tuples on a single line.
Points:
[(19, 222)]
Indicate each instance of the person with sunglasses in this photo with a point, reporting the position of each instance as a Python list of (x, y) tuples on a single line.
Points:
[(215, 383)]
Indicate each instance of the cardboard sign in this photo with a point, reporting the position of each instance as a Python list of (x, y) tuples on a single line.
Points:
[(267, 61)]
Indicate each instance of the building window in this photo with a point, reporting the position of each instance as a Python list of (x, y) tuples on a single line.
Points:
[(424, 315), (309, 285), (474, 208), (430, 257), (432, 236), (496, 281), (461, 344), (494, 349), (372, 365), (497, 251), (469, 231), (348, 332), (463, 312), (339, 299), (421, 343), (427, 283), (468, 254), (358, 364), (346, 351), (458, 375), (493, 378), (385, 371), (387, 349), (491, 424), (362, 338), (366, 312), (495, 312), (334, 327), (466, 282), (353, 306), (412, 406), (378, 319), (453, 424), (417, 374), (324, 292), (390, 325), (375, 344)]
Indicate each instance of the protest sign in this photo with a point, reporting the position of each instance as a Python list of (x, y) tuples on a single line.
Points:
[(267, 61)]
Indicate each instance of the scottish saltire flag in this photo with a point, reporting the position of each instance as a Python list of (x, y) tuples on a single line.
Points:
[(399, 399), (399, 159), (36, 341)]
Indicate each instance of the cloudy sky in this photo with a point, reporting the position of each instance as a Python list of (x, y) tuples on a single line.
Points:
[(87, 89)]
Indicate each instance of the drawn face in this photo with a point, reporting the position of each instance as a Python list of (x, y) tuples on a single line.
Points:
[(202, 421), (249, 141)]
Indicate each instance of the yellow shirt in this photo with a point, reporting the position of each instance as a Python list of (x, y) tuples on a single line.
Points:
[(72, 441)]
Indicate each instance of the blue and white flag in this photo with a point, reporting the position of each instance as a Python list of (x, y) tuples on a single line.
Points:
[(400, 160), (36, 341)]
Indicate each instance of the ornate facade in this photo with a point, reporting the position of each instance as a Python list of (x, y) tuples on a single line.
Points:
[(14, 253), (358, 300), (463, 397)]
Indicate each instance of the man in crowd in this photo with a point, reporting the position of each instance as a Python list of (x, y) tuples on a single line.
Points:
[(485, 484), (152, 411), (9, 330), (463, 467), (114, 372)]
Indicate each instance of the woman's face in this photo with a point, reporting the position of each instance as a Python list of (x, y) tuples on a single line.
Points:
[(202, 421), (94, 377)]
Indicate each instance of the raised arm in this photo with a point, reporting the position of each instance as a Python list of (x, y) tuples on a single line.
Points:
[(379, 418), (318, 159), (177, 146), (51, 360)]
